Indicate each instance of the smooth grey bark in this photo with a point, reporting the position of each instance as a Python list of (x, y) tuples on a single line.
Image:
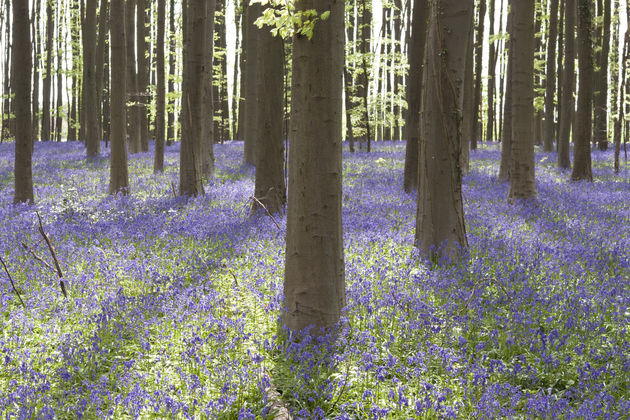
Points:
[(119, 174), (568, 82), (506, 131), (476, 104), (21, 83), (46, 83), (414, 92), (440, 226), (160, 101), (468, 114), (492, 72), (133, 126), (600, 126), (522, 167), (207, 133), (314, 285), (92, 130), (101, 46), (252, 13), (550, 88), (143, 74), (172, 51)]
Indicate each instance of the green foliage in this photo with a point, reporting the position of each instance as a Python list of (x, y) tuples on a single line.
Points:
[(285, 20)]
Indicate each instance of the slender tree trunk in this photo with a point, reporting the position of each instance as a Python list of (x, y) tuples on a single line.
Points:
[(5, 128), (46, 106), (492, 71), (440, 226), (208, 127), (467, 106), (601, 106), (398, 77), (242, 65), (92, 129), (252, 13), (133, 114), (172, 51), (506, 136), (568, 81), (36, 55), (21, 75), (160, 104), (582, 150), (549, 127), (270, 189), (314, 285), (414, 91), (560, 67), (365, 49), (193, 104), (236, 87), (103, 30), (619, 92), (119, 174), (106, 97), (348, 79), (143, 74), (478, 81)]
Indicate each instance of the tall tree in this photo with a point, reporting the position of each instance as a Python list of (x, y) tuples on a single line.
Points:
[(440, 226), (568, 82), (143, 74), (36, 55), (468, 114), (193, 109), (207, 129), (549, 123), (21, 82), (522, 167), (600, 105), (119, 174), (314, 286), (506, 120), (492, 72), (620, 92), (252, 12), (582, 138), (414, 91), (270, 189), (46, 89), (478, 69), (133, 124), (92, 130), (101, 46), (160, 102), (172, 51)]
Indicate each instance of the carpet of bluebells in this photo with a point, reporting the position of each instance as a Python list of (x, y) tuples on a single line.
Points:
[(173, 304)]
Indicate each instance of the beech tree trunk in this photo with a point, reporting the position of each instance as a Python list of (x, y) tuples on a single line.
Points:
[(172, 50), (252, 13), (21, 82), (582, 149), (467, 106), (568, 82), (92, 130), (143, 74), (193, 105), (414, 92), (506, 124), (207, 133), (476, 104), (600, 128), (46, 85), (440, 226), (133, 126), (36, 57), (314, 285), (492, 71), (119, 174), (550, 88), (103, 30), (270, 189), (160, 101), (619, 120), (522, 167)]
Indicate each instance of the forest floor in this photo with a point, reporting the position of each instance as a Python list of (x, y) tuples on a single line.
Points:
[(173, 304)]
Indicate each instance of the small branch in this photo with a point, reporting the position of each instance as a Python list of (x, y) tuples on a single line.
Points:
[(54, 255), (174, 190), (6, 270), (266, 210), (37, 257)]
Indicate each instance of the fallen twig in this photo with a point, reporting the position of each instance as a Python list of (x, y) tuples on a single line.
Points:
[(6, 270), (54, 255), (37, 257), (266, 211), (174, 190)]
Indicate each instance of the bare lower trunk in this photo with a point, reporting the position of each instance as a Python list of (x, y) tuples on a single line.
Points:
[(92, 130), (549, 126), (568, 81), (160, 102)]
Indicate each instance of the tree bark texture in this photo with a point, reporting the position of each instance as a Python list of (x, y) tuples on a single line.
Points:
[(550, 88), (568, 81), (133, 127), (314, 285), (478, 81), (46, 84), (252, 13), (506, 124), (600, 128), (92, 130), (143, 74), (440, 227), (160, 101), (207, 133)]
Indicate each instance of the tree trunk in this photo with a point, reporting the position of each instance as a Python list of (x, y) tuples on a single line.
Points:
[(550, 88), (60, 60), (522, 168), (172, 51), (5, 128), (506, 132), (36, 55), (270, 189), (560, 67), (193, 105), (398, 77), (207, 133), (568, 81), (236, 88), (143, 74), (348, 76), (492, 71), (242, 64), (21, 82), (119, 174), (414, 91), (252, 13), (92, 130), (467, 106), (620, 91), (103, 29), (582, 149), (478, 81), (601, 106), (46, 106), (314, 285), (160, 102), (133, 126), (440, 226)]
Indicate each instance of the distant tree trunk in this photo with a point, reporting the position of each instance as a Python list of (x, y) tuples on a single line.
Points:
[(242, 65), (347, 76), (236, 87), (60, 60), (522, 168), (160, 103), (601, 105), (50, 28), (252, 13), (106, 97), (506, 132), (568, 81), (398, 78), (582, 150), (143, 74), (467, 106), (207, 133), (492, 72), (21, 75), (76, 58), (133, 123), (270, 188), (103, 30), (193, 105), (622, 88), (119, 174), (172, 51), (478, 81), (5, 128), (549, 127), (220, 96), (440, 226), (560, 67), (414, 91), (365, 31), (92, 130), (314, 285), (36, 55)]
